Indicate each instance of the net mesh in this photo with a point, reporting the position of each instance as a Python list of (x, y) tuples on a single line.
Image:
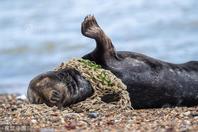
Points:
[(109, 91)]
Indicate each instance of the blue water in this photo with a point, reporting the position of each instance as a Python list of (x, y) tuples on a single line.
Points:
[(35, 36)]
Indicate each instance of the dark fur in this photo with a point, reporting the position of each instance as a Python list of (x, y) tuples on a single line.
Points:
[(150, 82)]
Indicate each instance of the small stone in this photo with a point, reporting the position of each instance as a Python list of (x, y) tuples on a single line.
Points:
[(195, 115), (14, 108), (54, 108), (33, 121), (110, 122), (55, 114), (10, 97), (21, 97), (93, 115), (187, 113)]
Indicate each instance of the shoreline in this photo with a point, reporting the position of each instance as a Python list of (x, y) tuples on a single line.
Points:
[(18, 114)]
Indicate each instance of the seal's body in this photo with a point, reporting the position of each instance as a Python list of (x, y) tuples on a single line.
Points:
[(150, 82), (153, 83)]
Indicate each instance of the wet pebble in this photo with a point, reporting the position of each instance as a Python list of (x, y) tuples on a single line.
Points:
[(33, 121), (93, 114)]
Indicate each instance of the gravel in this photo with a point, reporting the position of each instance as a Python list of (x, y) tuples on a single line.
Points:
[(18, 114)]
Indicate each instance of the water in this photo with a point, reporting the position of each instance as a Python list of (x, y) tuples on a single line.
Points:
[(37, 36)]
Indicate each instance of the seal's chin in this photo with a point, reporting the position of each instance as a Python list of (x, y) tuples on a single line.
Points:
[(59, 88)]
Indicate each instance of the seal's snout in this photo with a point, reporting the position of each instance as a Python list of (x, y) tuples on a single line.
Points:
[(46, 88), (33, 93)]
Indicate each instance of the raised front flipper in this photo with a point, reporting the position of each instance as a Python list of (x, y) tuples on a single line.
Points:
[(104, 47)]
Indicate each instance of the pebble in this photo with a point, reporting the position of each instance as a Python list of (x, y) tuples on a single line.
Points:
[(54, 108), (55, 114), (22, 97), (33, 121), (111, 122), (93, 115), (14, 108), (187, 113)]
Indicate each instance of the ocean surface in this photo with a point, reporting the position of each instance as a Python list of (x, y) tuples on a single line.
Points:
[(36, 36)]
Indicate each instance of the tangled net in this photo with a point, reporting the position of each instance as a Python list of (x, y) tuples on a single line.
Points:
[(109, 91)]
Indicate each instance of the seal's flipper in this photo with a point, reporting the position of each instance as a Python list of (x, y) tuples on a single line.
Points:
[(90, 28), (104, 48)]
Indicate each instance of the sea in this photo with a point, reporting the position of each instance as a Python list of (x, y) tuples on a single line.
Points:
[(36, 36)]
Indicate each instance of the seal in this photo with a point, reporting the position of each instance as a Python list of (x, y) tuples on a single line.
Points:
[(151, 83), (60, 88)]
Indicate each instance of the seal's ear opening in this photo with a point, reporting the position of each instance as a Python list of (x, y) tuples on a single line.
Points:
[(110, 98)]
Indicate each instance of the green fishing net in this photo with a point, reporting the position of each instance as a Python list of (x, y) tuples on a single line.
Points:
[(109, 91)]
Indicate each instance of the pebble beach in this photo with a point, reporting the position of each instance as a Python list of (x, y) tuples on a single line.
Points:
[(17, 114), (36, 36)]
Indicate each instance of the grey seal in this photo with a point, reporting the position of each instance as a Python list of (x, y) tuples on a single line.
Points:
[(151, 83)]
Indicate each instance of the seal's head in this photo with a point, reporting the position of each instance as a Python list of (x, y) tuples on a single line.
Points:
[(59, 88)]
